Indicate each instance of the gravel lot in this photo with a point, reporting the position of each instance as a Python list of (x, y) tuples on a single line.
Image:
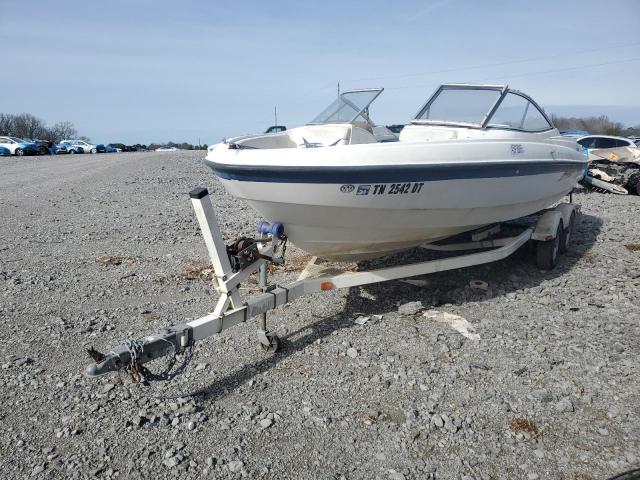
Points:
[(551, 390)]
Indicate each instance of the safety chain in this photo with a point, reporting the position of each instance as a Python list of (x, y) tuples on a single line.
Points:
[(141, 374), (283, 245), (167, 374)]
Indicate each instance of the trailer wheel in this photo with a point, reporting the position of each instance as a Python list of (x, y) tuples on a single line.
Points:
[(565, 236), (547, 251), (274, 344), (633, 184)]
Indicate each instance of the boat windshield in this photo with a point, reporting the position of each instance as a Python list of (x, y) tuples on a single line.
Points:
[(349, 107), (485, 106), (460, 105)]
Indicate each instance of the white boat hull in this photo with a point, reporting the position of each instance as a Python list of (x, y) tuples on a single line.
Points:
[(357, 202), (379, 226)]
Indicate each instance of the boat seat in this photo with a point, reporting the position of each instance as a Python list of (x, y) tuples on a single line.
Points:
[(271, 140), (330, 135), (320, 135), (416, 133)]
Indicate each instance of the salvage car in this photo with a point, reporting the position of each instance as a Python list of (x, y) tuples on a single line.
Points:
[(71, 147), (599, 142), (18, 146), (80, 146), (59, 149), (122, 147), (44, 146)]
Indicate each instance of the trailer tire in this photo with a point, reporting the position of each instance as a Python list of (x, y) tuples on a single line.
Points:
[(566, 233), (547, 251), (633, 184), (274, 344), (630, 475)]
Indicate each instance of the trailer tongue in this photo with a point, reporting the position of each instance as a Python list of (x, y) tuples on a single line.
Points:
[(234, 263)]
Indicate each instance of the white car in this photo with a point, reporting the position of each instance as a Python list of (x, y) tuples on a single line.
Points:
[(600, 142), (18, 146), (80, 146), (167, 149)]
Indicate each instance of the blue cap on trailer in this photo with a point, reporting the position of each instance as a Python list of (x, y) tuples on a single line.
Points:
[(276, 229)]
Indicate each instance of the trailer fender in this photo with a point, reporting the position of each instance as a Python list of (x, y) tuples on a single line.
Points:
[(547, 226), (566, 210)]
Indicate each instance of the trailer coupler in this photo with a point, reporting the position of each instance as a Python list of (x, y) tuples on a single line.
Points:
[(133, 354)]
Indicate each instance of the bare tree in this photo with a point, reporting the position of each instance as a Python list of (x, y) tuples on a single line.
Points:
[(6, 124), (26, 125), (60, 131), (597, 125)]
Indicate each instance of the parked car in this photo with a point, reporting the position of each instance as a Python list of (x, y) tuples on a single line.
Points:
[(167, 149), (60, 149), (396, 128), (80, 146), (574, 133), (44, 146), (122, 147), (599, 142), (71, 147), (5, 151), (110, 149), (18, 146), (275, 129)]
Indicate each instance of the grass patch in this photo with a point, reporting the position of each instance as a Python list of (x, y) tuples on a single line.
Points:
[(524, 425)]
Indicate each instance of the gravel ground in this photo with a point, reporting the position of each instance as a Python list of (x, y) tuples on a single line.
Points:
[(550, 390)]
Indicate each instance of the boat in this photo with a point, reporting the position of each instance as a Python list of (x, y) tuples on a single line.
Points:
[(472, 156)]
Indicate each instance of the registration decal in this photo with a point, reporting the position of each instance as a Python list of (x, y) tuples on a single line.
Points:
[(363, 189), (387, 188)]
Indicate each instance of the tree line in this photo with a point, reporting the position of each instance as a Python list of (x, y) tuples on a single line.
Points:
[(601, 125), (25, 125), (181, 146)]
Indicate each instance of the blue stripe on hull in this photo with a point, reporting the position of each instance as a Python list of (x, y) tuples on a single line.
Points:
[(390, 173)]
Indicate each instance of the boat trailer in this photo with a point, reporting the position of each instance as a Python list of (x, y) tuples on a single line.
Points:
[(235, 263)]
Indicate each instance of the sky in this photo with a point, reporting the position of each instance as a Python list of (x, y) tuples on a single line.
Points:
[(142, 71)]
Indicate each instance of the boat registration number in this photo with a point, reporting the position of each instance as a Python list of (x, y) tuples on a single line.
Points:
[(384, 188)]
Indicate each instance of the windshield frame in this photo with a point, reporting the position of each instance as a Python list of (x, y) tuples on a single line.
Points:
[(503, 89), (362, 112)]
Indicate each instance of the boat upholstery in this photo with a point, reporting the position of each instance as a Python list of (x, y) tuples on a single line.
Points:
[(273, 140), (329, 135), (416, 133)]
